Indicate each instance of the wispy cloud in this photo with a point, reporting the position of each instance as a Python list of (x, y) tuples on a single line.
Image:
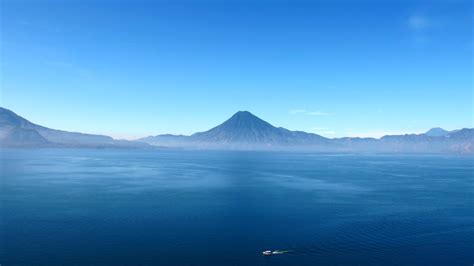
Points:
[(418, 22), (317, 113), (297, 111), (419, 25), (306, 112)]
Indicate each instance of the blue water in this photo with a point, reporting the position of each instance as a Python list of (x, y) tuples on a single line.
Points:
[(135, 207)]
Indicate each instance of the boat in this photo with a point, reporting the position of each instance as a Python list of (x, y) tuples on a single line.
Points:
[(275, 252), (267, 253)]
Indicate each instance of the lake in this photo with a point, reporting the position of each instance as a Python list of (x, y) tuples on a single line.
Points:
[(170, 207)]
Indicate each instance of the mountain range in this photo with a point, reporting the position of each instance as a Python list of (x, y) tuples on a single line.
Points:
[(246, 131), (15, 131), (243, 131)]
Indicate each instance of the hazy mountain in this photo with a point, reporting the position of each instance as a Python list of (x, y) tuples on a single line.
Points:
[(246, 131), (166, 140), (436, 132), (243, 131), (242, 127), (17, 131), (21, 137), (453, 141), (461, 134)]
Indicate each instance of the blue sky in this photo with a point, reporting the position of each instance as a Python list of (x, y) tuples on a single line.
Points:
[(336, 68)]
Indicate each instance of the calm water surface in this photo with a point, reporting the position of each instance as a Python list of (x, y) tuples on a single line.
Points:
[(131, 207)]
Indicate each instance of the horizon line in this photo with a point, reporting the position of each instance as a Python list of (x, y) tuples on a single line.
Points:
[(130, 138)]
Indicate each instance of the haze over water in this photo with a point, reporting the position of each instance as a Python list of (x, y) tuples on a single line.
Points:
[(135, 207)]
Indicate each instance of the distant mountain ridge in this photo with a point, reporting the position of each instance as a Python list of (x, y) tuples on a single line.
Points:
[(15, 131), (438, 132), (246, 131), (242, 131)]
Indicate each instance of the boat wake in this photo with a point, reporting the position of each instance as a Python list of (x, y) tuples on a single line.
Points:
[(277, 252)]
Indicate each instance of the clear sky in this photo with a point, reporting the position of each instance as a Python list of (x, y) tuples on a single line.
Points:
[(338, 68)]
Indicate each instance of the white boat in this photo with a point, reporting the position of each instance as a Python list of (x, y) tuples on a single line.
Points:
[(275, 252), (267, 253)]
